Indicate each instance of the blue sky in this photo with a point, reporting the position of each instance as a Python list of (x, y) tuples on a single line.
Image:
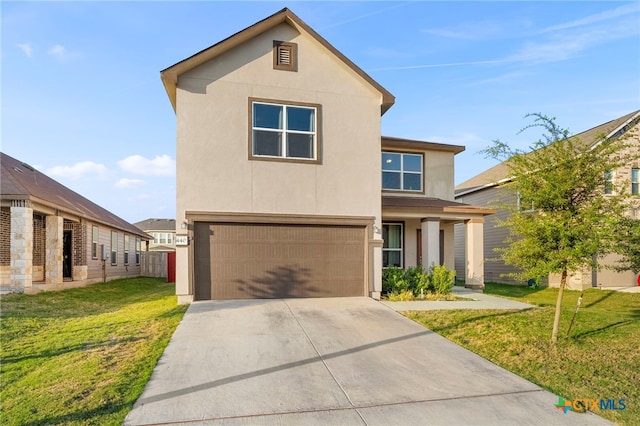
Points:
[(83, 102)]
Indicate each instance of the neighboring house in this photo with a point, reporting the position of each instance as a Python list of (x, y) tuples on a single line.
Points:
[(53, 238), (279, 174), (163, 232), (484, 190)]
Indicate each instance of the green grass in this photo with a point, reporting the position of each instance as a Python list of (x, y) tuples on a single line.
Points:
[(82, 356), (600, 358)]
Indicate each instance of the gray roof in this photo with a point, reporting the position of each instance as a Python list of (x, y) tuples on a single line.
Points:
[(20, 181), (493, 175), (157, 225)]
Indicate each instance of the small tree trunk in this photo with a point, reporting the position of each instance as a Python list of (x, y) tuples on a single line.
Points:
[(556, 318)]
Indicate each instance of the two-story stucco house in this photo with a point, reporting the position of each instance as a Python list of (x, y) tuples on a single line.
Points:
[(484, 189), (285, 186), (163, 232)]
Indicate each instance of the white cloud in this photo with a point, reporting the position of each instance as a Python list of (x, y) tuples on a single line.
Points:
[(79, 170), (477, 30), (161, 165), (598, 17), (129, 183), (26, 49), (58, 51)]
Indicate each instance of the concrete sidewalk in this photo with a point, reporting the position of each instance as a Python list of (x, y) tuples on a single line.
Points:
[(480, 301), (334, 361)]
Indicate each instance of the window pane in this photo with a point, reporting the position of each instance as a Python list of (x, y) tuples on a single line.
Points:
[(412, 163), (267, 116), (301, 119), (267, 143), (392, 236), (391, 259), (412, 182), (299, 146), (390, 180), (635, 189), (390, 161)]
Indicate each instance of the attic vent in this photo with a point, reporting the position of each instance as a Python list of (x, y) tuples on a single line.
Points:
[(285, 56), (17, 169), (28, 167)]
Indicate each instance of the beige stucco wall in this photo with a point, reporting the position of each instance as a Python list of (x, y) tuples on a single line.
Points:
[(439, 175), (213, 170)]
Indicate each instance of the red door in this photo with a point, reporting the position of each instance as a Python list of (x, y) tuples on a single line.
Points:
[(171, 267)]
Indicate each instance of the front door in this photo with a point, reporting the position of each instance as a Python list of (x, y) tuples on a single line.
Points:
[(66, 254)]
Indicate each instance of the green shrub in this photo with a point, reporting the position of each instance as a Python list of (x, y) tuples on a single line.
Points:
[(401, 297), (415, 277), (442, 278), (393, 281), (415, 280)]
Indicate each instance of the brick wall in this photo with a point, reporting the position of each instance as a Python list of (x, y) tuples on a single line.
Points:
[(5, 236), (39, 239)]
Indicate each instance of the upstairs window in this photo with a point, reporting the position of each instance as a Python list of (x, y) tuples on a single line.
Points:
[(281, 131), (635, 181), (402, 172)]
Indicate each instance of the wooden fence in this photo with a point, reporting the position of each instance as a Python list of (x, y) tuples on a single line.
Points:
[(154, 264)]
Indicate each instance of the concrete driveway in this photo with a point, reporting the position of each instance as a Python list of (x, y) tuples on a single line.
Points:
[(350, 361)]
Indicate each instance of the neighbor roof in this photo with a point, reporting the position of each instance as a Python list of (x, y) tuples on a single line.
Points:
[(20, 181), (170, 75), (500, 172), (157, 225)]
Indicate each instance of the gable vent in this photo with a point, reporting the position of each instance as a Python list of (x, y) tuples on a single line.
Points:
[(285, 56)]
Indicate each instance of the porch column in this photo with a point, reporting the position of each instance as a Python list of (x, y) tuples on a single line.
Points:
[(53, 250), (430, 241), (474, 250), (21, 264)]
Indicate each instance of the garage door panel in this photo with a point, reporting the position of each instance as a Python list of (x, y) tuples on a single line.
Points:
[(235, 261)]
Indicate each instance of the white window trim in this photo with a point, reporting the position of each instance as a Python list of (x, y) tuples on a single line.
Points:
[(127, 242), (138, 244), (401, 249), (284, 131), (402, 172), (114, 248), (610, 180), (95, 241), (636, 182)]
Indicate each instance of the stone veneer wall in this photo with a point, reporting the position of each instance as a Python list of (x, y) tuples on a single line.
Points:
[(53, 259), (21, 244)]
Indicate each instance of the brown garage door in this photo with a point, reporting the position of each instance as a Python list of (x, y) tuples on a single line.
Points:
[(257, 261)]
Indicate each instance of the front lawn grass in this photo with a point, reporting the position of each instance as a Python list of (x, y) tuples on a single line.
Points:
[(82, 356), (600, 358)]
